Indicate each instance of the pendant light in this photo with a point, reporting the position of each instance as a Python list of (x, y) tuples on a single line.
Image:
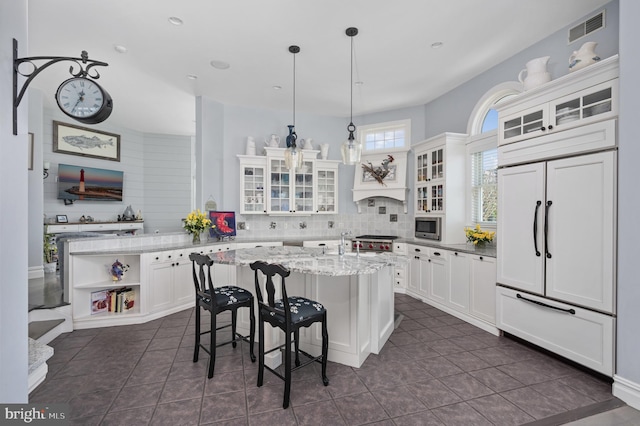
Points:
[(293, 154), (351, 148)]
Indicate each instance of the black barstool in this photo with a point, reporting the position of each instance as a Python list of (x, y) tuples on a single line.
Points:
[(217, 300), (288, 314)]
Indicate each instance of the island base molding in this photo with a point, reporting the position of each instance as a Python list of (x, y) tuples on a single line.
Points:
[(627, 391)]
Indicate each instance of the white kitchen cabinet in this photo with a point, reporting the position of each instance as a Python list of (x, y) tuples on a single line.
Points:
[(429, 273), (326, 186), (459, 281), (107, 227), (253, 172), (483, 288), (582, 335), (582, 97), (220, 274), (170, 280), (439, 185), (401, 269), (557, 223), (290, 191)]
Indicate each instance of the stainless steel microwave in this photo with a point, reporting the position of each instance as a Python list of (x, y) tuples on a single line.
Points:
[(429, 228)]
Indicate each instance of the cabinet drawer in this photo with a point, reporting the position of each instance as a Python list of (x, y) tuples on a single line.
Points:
[(56, 229), (99, 227), (583, 336)]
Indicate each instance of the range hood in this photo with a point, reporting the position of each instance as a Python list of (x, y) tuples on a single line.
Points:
[(378, 176)]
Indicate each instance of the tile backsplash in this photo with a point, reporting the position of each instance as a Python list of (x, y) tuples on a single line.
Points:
[(370, 221)]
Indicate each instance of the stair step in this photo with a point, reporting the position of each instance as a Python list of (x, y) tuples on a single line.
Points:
[(38, 329)]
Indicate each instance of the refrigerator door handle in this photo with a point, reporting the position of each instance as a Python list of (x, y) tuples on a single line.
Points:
[(535, 228), (546, 230), (569, 311)]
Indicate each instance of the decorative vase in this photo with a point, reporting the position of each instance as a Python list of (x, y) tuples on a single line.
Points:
[(196, 238), (291, 137), (584, 56), (536, 73)]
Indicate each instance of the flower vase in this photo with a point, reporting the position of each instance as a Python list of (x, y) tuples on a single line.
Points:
[(196, 238)]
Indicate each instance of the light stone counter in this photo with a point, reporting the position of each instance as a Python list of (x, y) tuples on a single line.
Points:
[(306, 260)]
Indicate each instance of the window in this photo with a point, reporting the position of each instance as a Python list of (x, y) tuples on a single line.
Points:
[(385, 136), (482, 155), (484, 186)]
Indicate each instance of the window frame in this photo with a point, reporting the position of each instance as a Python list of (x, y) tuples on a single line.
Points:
[(386, 126), (478, 143)]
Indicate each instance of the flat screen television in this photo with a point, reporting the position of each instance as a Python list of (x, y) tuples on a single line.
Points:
[(89, 183), (223, 224)]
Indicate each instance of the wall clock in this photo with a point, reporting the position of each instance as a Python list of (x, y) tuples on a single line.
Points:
[(84, 100)]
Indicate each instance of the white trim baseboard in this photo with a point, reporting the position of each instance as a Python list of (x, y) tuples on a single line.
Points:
[(627, 391), (35, 272)]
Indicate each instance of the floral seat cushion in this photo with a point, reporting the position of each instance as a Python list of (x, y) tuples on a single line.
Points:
[(302, 309), (229, 295)]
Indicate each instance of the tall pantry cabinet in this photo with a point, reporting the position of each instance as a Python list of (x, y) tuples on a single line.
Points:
[(557, 217)]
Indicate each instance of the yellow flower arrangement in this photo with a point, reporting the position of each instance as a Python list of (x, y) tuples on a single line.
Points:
[(196, 222), (478, 236)]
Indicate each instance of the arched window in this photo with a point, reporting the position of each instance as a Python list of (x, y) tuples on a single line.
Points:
[(482, 155)]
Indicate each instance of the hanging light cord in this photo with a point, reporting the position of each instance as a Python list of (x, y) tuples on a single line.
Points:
[(294, 49), (351, 32)]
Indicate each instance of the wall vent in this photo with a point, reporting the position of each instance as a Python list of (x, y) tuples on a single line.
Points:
[(587, 27)]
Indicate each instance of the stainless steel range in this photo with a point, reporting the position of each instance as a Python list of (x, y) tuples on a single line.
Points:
[(377, 243)]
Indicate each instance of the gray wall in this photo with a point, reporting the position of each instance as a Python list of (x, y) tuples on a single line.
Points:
[(628, 359), (14, 216)]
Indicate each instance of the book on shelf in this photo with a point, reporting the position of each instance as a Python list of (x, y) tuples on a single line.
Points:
[(128, 299), (99, 301)]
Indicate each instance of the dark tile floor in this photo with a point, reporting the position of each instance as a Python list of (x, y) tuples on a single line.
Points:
[(435, 369)]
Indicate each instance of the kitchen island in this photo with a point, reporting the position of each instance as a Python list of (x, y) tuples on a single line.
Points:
[(357, 292)]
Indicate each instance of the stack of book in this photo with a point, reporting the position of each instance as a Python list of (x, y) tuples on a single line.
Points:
[(113, 300)]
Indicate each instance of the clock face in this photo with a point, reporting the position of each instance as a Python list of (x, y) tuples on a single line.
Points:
[(84, 100)]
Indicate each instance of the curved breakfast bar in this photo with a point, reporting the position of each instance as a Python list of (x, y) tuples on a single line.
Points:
[(357, 292)]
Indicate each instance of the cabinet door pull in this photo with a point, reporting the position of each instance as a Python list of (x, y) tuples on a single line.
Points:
[(456, 253), (436, 253), (570, 311), (428, 260), (543, 128), (535, 228), (550, 126), (418, 250), (481, 258), (546, 229)]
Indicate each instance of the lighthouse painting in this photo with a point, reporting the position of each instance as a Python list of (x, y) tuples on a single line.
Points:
[(89, 183)]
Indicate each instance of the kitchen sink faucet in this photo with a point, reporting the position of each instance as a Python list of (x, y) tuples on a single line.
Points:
[(341, 247)]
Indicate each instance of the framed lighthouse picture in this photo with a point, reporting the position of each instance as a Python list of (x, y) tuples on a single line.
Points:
[(89, 183)]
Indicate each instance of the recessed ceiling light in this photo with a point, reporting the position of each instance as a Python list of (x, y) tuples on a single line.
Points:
[(221, 65), (192, 76), (120, 49), (175, 20), (437, 45), (277, 87)]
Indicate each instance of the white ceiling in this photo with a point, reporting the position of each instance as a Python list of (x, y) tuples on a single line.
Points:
[(393, 54)]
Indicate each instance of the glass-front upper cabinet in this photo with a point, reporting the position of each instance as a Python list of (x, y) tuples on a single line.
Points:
[(582, 97), (290, 191), (327, 186), (252, 183), (430, 172)]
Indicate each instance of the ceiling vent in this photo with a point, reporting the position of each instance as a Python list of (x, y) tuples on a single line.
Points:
[(587, 27)]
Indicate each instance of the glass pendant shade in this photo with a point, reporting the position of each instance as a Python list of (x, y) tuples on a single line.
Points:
[(351, 151), (293, 158)]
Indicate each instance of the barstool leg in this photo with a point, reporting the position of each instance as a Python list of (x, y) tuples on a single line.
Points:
[(287, 369), (260, 352), (296, 336), (212, 348), (252, 331), (325, 349), (234, 317), (196, 349)]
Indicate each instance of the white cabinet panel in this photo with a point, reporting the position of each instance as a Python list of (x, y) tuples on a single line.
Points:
[(581, 335), (437, 273), (483, 288), (581, 236), (459, 281), (521, 225)]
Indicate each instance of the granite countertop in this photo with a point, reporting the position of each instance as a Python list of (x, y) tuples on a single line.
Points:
[(488, 250), (308, 260)]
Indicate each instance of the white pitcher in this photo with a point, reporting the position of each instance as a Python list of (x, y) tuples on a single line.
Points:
[(324, 150), (308, 144), (536, 73), (273, 141), (584, 56), (251, 146)]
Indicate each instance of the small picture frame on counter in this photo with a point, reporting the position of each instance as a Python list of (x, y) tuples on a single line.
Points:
[(61, 218)]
